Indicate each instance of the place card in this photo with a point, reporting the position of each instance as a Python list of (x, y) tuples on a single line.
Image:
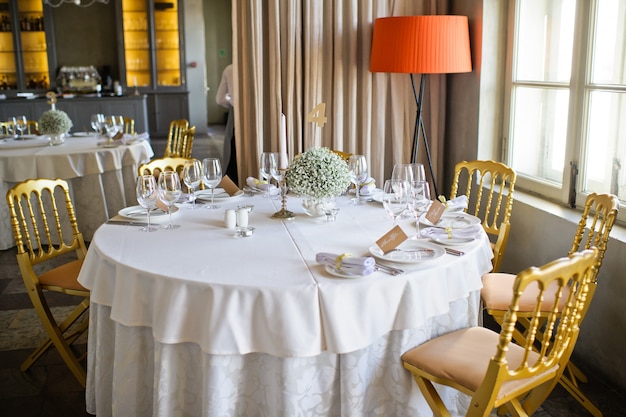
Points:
[(436, 210), (391, 239), (228, 185)]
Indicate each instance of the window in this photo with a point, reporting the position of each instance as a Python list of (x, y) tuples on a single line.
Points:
[(567, 97)]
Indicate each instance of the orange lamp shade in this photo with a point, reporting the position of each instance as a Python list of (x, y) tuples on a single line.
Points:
[(437, 44)]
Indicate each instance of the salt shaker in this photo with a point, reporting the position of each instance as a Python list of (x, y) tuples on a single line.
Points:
[(242, 217), (230, 219)]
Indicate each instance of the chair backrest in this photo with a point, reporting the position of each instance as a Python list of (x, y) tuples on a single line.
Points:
[(545, 351), (129, 125), (158, 165), (44, 227), (32, 127), (343, 155), (595, 224), (176, 139), (489, 187)]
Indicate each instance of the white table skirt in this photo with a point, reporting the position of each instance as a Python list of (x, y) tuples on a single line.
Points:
[(194, 322), (102, 180), (131, 374)]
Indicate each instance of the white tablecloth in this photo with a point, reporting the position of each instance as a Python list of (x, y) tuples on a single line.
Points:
[(196, 322), (102, 180)]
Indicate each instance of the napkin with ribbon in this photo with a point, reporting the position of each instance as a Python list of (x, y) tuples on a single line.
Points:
[(136, 137), (472, 232), (357, 265), (368, 186), (262, 185), (456, 204)]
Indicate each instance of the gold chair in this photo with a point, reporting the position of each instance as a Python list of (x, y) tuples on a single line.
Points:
[(518, 378), (40, 237), (179, 139), (158, 165), (343, 155), (129, 125), (593, 230), (488, 186)]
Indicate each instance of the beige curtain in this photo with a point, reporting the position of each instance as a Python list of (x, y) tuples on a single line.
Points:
[(292, 55)]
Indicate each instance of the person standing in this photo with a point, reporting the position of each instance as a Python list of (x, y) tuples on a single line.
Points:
[(224, 98)]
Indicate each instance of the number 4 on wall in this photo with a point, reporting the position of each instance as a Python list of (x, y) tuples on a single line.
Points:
[(317, 115)]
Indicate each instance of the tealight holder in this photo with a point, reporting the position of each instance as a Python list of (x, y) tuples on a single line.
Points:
[(244, 231)]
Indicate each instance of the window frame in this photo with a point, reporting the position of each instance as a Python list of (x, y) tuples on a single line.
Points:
[(580, 89)]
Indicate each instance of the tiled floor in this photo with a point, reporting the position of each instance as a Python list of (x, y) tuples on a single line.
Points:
[(48, 388)]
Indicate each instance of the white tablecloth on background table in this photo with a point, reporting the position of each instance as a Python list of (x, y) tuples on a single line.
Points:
[(102, 180), (196, 322)]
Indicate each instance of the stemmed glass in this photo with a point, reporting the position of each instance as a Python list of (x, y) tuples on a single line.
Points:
[(419, 201), (269, 164), (358, 174), (192, 176), (211, 177), (147, 196), (395, 197), (97, 122), (408, 172), (169, 193), (20, 125), (111, 128)]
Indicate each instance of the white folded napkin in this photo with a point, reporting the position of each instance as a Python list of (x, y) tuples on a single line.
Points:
[(457, 203), (139, 136), (261, 185), (472, 232), (357, 265)]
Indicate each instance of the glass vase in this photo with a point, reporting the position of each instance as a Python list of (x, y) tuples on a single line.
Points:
[(54, 140), (317, 206)]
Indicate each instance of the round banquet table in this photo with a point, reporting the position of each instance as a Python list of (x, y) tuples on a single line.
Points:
[(101, 179), (194, 321)]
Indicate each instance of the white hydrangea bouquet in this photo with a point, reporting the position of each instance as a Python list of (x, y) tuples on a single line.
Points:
[(54, 122), (318, 173)]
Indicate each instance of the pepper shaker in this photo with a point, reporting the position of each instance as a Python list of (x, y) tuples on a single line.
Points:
[(242, 217), (230, 219)]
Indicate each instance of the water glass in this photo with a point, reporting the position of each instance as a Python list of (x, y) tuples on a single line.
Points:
[(169, 189), (192, 176), (147, 196), (358, 174), (211, 177), (395, 197)]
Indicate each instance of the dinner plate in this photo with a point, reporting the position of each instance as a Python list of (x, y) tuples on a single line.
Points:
[(84, 134), (138, 212), (409, 252), (377, 195), (335, 272), (452, 241), (220, 195), (453, 220)]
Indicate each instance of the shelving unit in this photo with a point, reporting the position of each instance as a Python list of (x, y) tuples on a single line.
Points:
[(24, 46), (152, 39)]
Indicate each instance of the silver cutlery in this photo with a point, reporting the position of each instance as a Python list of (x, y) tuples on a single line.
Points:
[(125, 223), (454, 252), (388, 269)]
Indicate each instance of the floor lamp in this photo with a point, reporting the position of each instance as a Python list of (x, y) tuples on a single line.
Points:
[(437, 44)]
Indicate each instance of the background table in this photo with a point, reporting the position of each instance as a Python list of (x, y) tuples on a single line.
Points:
[(195, 322), (102, 180)]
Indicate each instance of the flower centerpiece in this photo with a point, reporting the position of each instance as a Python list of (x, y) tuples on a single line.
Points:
[(55, 123), (318, 175)]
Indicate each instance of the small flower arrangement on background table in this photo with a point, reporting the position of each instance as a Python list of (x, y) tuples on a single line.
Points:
[(55, 123), (318, 175)]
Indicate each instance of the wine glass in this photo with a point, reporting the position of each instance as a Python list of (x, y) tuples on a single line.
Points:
[(147, 196), (111, 128), (20, 125), (192, 176), (395, 197), (409, 172), (269, 164), (419, 201), (97, 122), (358, 174), (211, 177), (169, 193)]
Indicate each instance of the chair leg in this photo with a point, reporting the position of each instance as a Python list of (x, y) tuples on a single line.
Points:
[(432, 397), (59, 340), (571, 387)]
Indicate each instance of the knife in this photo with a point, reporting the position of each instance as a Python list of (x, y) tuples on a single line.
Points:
[(126, 223), (454, 252)]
